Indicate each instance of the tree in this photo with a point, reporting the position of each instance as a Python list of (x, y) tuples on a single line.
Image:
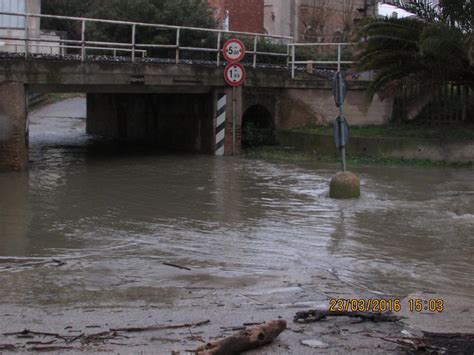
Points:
[(348, 19), (191, 13), (420, 54), (314, 17)]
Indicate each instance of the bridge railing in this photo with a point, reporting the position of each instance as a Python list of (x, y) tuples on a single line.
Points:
[(328, 54), (276, 46)]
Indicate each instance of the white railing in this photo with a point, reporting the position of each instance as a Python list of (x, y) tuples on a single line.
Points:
[(286, 45), (337, 61), (133, 47)]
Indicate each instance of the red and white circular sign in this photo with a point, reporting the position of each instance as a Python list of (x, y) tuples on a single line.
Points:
[(234, 74), (234, 50)]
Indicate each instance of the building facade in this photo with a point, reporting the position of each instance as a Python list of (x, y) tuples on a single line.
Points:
[(16, 27), (239, 15), (316, 20)]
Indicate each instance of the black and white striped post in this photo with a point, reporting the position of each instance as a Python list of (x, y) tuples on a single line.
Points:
[(221, 121)]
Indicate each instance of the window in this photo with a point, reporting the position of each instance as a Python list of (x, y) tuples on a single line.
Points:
[(12, 6)]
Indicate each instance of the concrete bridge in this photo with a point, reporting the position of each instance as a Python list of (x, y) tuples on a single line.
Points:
[(174, 104)]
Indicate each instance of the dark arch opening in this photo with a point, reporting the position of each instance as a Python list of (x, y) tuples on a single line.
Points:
[(258, 128)]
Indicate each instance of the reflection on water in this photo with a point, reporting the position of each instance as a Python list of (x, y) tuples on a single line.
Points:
[(116, 217)]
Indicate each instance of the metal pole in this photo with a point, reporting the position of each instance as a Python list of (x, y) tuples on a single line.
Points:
[(83, 39), (293, 54), (219, 48), (27, 35), (134, 30), (255, 52), (234, 117), (338, 57), (178, 34), (288, 55), (343, 148)]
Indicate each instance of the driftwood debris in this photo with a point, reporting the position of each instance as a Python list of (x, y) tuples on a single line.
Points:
[(315, 315), (83, 338), (160, 327), (7, 347), (251, 338), (437, 343), (177, 266)]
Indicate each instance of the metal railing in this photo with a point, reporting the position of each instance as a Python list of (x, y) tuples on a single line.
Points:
[(286, 47), (133, 47), (337, 61)]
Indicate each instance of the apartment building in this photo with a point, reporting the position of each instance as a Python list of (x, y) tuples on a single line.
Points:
[(13, 29), (316, 20)]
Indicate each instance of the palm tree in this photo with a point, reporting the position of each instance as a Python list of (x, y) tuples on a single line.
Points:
[(420, 54)]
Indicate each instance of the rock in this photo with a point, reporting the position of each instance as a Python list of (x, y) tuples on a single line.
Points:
[(313, 343), (345, 185)]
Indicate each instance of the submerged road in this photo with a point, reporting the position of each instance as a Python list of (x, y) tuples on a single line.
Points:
[(258, 240)]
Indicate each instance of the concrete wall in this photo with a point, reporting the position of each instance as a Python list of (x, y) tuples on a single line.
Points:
[(280, 17), (402, 148), (303, 107), (295, 107), (13, 127), (44, 46)]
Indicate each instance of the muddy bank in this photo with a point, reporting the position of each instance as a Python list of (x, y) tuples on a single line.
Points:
[(399, 148)]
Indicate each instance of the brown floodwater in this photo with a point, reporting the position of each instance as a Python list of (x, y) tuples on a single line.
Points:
[(114, 217)]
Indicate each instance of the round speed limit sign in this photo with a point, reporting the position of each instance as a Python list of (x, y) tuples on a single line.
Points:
[(234, 50), (234, 74)]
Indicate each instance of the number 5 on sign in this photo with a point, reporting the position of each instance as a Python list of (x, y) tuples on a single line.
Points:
[(234, 74), (234, 50)]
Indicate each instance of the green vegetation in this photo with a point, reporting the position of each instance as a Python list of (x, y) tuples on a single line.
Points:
[(192, 13), (421, 56), (407, 130), (284, 154), (254, 136)]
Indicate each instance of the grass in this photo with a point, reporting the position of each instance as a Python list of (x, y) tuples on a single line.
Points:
[(409, 130), (278, 153)]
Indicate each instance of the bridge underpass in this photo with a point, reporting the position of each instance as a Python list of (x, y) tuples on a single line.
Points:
[(172, 106), (171, 103)]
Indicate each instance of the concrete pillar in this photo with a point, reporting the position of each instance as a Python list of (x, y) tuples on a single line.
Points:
[(13, 127), (230, 104)]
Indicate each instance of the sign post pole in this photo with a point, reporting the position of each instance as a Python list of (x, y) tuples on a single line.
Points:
[(234, 117), (344, 185), (234, 75), (343, 138)]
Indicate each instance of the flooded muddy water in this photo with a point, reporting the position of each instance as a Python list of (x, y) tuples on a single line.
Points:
[(113, 217)]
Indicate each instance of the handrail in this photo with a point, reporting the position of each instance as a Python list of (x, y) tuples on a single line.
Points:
[(131, 46), (85, 45), (147, 24), (337, 62)]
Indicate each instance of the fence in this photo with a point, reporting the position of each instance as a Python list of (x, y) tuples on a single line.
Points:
[(338, 62), (261, 48), (133, 47), (449, 103)]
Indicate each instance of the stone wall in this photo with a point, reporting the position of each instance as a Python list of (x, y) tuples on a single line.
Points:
[(306, 107)]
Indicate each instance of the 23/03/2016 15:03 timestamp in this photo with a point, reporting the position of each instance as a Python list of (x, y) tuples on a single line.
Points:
[(386, 305)]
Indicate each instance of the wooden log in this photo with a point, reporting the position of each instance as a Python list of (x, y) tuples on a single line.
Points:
[(251, 338)]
